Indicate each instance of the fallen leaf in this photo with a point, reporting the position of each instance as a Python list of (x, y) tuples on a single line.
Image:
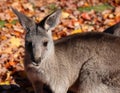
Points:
[(28, 6), (12, 63), (65, 15), (8, 25), (86, 16), (111, 16), (76, 31), (5, 83), (3, 37), (76, 23), (15, 42)]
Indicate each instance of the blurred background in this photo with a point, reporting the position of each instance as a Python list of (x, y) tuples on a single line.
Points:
[(77, 16)]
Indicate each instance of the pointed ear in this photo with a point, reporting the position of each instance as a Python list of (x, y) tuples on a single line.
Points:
[(27, 23), (51, 20)]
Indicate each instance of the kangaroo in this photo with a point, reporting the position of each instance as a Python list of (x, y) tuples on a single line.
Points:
[(84, 63), (115, 29)]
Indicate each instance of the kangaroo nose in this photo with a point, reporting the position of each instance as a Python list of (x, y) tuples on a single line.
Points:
[(36, 61)]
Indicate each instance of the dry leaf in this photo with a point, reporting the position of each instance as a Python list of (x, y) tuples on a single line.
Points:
[(5, 83), (76, 31), (86, 16), (3, 37), (65, 15), (15, 42)]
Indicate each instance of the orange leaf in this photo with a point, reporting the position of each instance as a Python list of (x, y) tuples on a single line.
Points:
[(12, 63), (117, 18), (86, 16), (86, 4), (17, 33), (111, 23), (55, 37), (9, 25), (62, 34), (3, 37), (7, 65)]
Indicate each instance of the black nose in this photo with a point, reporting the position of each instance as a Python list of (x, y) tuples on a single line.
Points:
[(36, 61)]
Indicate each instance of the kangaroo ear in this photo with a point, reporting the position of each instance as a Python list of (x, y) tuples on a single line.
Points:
[(51, 20), (27, 23)]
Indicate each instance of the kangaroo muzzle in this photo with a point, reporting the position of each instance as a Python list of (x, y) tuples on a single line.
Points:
[(36, 61)]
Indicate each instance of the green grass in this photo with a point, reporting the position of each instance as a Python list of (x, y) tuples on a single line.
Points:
[(97, 8), (14, 22), (52, 7), (2, 23)]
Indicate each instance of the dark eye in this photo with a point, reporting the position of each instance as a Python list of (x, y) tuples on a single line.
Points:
[(45, 43)]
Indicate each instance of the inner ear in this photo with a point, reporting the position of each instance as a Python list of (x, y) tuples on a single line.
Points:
[(50, 21), (27, 23)]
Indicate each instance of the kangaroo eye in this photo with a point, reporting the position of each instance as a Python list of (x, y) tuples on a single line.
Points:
[(45, 43)]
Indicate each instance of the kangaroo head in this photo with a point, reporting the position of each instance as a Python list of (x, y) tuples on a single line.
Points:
[(38, 39)]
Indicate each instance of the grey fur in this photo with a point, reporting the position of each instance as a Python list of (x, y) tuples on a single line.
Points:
[(84, 63)]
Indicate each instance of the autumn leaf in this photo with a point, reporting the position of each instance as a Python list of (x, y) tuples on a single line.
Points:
[(3, 37), (76, 31), (65, 15), (5, 83), (86, 16), (15, 42)]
